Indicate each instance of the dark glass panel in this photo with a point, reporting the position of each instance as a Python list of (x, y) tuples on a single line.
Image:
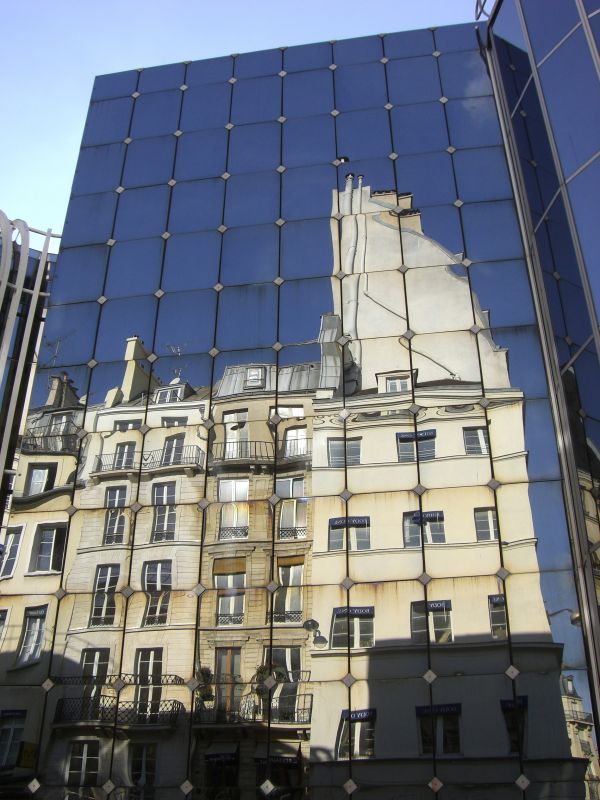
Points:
[(251, 65), (154, 79), (576, 124), (308, 93), (142, 213), (360, 86), (250, 255), (491, 231), (79, 274), (211, 70), (442, 223), (119, 84), (177, 325), (502, 288), (252, 199), (191, 261), (196, 206), (587, 372), (554, 304), (306, 248), (89, 219), (456, 37), (364, 134), (309, 140), (544, 32), (201, 154), (301, 305), (413, 80), (256, 100), (122, 319), (419, 128), (540, 439), (239, 326), (205, 107), (156, 114), (576, 312), (307, 56), (105, 377), (99, 169), (558, 250), (583, 192), (149, 161), (595, 26), (357, 51), (428, 176), (408, 43), (464, 75), (76, 376), (307, 192), (107, 121), (253, 148), (482, 174), (507, 24), (473, 122), (525, 363), (69, 334), (193, 368), (134, 268)]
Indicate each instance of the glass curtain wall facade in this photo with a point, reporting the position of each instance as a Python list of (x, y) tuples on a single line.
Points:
[(296, 526)]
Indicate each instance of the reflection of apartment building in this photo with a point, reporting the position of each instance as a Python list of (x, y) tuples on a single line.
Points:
[(580, 727)]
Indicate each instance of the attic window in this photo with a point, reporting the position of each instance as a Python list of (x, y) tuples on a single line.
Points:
[(255, 378), (170, 394)]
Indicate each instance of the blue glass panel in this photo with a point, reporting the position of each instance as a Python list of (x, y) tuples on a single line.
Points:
[(588, 381), (583, 191), (142, 213), (205, 107), (211, 70), (309, 140), (89, 219), (250, 255), (107, 121), (149, 161), (408, 43), (429, 177), (491, 231), (239, 326), (312, 298), (482, 174), (473, 122), (119, 84), (307, 56), (413, 80), (525, 362), (178, 316), (575, 311), (503, 289), (549, 523), (256, 100), (377, 173), (595, 26), (307, 93), (555, 307), (251, 65), (591, 5), (558, 251), (252, 199), (307, 192), (456, 37), (540, 439), (357, 51), (201, 154), (576, 124), (99, 169), (191, 261), (105, 377), (442, 223), (254, 147), (360, 86), (234, 358), (193, 367), (545, 31), (155, 79), (78, 375), (508, 25), (419, 128), (306, 249), (196, 206), (79, 274), (69, 334), (134, 268), (560, 593), (121, 319), (156, 114), (464, 75), (364, 134)]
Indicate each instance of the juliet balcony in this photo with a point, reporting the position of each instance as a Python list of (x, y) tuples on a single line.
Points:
[(188, 458), (254, 708), (48, 439)]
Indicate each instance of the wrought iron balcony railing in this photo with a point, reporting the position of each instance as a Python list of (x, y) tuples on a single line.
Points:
[(101, 709), (49, 440), (296, 709), (162, 713), (190, 455), (117, 462), (287, 616), (235, 532), (292, 533), (246, 452), (105, 710), (580, 716), (230, 619), (295, 449)]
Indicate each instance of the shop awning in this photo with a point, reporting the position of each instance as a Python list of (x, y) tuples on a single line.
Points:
[(225, 752), (279, 752)]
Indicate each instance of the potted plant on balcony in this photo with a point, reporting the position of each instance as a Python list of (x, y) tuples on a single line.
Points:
[(262, 673), (205, 690)]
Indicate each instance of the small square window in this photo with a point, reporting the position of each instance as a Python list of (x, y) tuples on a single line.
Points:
[(486, 524), (497, 611), (255, 378), (32, 637), (433, 617), (476, 441), (48, 548), (431, 523), (398, 383), (355, 530), (439, 729), (356, 734), (352, 627), (343, 452)]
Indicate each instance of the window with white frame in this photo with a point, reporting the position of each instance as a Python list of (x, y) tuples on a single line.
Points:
[(398, 383), (12, 725), (497, 611), (293, 518), (355, 531), (476, 441), (174, 422), (439, 728), (343, 452), (486, 524), (165, 512), (229, 576), (122, 425), (32, 637), (40, 478), (285, 663), (48, 549), (287, 599), (235, 425), (352, 626), (287, 412), (169, 394), (255, 378), (84, 763), (433, 617), (103, 601), (425, 445), (233, 493), (124, 455), (356, 734), (3, 618), (143, 770), (173, 450), (157, 583), (295, 442), (431, 523), (94, 670), (114, 521), (289, 487), (12, 542)]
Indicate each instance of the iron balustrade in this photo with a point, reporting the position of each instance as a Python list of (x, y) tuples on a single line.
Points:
[(47, 440), (287, 616), (230, 619), (295, 449), (116, 462), (292, 533), (236, 532), (108, 710), (86, 709), (249, 452), (164, 712), (580, 716), (188, 455), (296, 709)]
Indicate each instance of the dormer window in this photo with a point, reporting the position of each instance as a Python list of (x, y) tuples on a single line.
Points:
[(170, 394), (255, 378), (398, 383)]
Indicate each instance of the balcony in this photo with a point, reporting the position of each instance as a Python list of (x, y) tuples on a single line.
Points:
[(237, 532), (252, 708), (190, 456), (289, 617), (163, 713), (292, 533), (235, 453), (104, 710), (47, 440), (579, 716), (79, 710), (294, 451), (116, 463), (230, 619)]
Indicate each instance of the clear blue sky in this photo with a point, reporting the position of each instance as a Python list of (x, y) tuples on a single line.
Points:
[(52, 49)]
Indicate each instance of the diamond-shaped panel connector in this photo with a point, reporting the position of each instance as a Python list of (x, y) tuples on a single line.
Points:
[(281, 169), (165, 235), (229, 126), (204, 503), (419, 489), (144, 428), (120, 189), (275, 419), (568, 340), (226, 176), (429, 676), (272, 586), (278, 281), (282, 73), (232, 80), (118, 684), (92, 363), (388, 106), (458, 203), (424, 578), (172, 182), (493, 484), (347, 583), (177, 133), (336, 162), (33, 785), (277, 346), (408, 334), (47, 685), (484, 402), (346, 495), (475, 329), (193, 684), (344, 413), (208, 424), (152, 357), (556, 275), (335, 113), (451, 149), (512, 672), (199, 589), (183, 87), (342, 340), (414, 408), (533, 163), (81, 434), (222, 228), (383, 60), (159, 293), (127, 591), (281, 119), (214, 351), (218, 287), (280, 222), (348, 680), (186, 787), (502, 573), (350, 786), (60, 593), (135, 95), (274, 499), (135, 507), (128, 140), (111, 242), (393, 156), (523, 113), (435, 785), (522, 782), (403, 268), (108, 786), (339, 215), (270, 682), (443, 100), (466, 262), (332, 66), (267, 787)]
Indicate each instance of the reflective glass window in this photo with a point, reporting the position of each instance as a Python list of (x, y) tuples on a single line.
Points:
[(545, 32), (256, 100), (211, 70), (413, 80), (250, 255), (107, 121), (306, 248), (306, 192), (201, 154), (464, 74), (89, 219), (252, 199), (264, 62), (196, 206), (301, 304), (134, 267), (99, 168), (473, 122), (239, 326), (307, 56), (79, 274), (419, 128), (253, 148), (121, 319), (156, 114), (503, 289), (429, 176), (582, 192), (360, 86), (142, 213), (308, 93), (356, 51), (119, 84), (69, 334), (205, 107), (177, 325), (364, 134), (408, 43), (149, 161), (470, 165), (154, 79), (491, 231), (309, 140), (191, 261), (456, 37)]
